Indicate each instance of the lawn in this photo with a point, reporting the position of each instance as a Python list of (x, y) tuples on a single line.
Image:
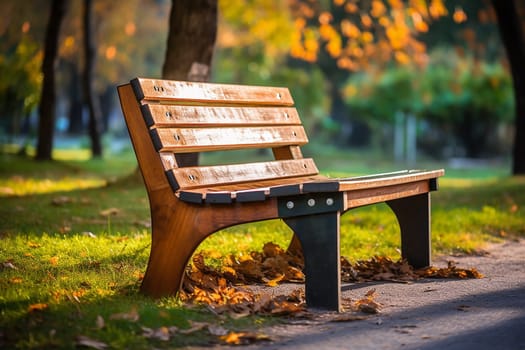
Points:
[(74, 242)]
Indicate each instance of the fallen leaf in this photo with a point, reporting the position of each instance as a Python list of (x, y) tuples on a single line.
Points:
[(16, 280), (274, 282), (9, 265), (244, 338), (37, 307), (61, 200), (348, 318), (90, 343), (132, 316), (100, 322), (161, 333), (217, 330), (53, 260), (194, 327), (369, 306), (109, 212)]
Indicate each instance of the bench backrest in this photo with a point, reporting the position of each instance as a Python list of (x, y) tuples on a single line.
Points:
[(185, 117)]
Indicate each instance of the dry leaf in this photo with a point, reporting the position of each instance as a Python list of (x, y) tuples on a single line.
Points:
[(194, 327), (369, 306), (61, 200), (89, 234), (274, 282), (90, 343), (16, 280), (37, 307), (217, 330), (100, 322), (451, 271), (132, 316), (348, 318), (9, 265), (244, 338), (109, 212), (53, 260), (162, 333)]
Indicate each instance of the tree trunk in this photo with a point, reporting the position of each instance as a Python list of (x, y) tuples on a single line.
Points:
[(191, 39), (76, 102), (513, 38), (46, 109), (89, 89)]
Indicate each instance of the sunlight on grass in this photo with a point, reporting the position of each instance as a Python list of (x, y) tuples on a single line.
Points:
[(22, 186), (61, 154)]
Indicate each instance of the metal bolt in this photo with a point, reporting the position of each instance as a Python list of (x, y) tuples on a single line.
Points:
[(329, 201), (311, 202), (290, 205)]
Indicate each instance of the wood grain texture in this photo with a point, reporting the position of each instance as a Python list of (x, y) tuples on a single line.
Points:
[(182, 91), (207, 176), (184, 140), (162, 115)]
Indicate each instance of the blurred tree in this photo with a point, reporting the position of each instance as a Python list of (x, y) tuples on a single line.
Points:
[(46, 125), (191, 40), (92, 100), (20, 70), (468, 98), (513, 37)]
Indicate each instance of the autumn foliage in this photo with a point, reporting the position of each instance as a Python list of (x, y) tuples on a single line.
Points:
[(353, 32)]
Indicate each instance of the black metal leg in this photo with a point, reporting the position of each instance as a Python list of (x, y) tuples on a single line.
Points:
[(319, 237), (413, 215)]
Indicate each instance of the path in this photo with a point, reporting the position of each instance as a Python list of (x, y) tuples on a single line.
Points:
[(487, 313)]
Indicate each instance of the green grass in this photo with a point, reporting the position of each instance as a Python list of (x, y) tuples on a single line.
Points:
[(74, 236)]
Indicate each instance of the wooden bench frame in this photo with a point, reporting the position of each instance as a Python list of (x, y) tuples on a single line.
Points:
[(169, 118)]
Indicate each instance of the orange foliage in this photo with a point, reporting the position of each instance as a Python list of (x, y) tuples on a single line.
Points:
[(373, 31)]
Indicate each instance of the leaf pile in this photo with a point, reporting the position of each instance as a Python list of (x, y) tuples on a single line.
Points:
[(385, 269), (219, 287), (225, 289)]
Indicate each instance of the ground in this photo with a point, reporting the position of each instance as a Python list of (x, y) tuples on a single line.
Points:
[(486, 313)]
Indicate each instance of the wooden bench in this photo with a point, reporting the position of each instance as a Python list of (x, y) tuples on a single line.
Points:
[(167, 119)]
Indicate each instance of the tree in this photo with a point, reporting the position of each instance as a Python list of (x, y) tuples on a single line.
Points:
[(513, 37), (191, 41), (91, 97), (47, 104)]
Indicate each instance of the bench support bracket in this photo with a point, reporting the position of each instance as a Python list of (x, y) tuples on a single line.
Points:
[(319, 237)]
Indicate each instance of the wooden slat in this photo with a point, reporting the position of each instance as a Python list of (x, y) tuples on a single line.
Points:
[(206, 93), (371, 195), (371, 181), (185, 116), (213, 139), (273, 185), (208, 176)]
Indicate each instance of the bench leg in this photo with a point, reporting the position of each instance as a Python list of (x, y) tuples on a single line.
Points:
[(319, 237), (413, 215), (173, 243)]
